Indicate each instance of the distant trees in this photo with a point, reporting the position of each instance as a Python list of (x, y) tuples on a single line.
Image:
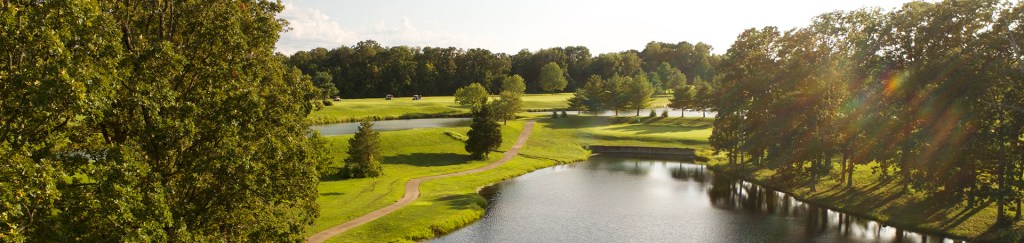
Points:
[(368, 69), (552, 78), (617, 93), (638, 93), (484, 133), (684, 97), (472, 94), (322, 80), (926, 93), (363, 153), (671, 77)]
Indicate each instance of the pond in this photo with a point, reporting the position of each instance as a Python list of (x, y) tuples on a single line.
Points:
[(390, 125), (628, 199)]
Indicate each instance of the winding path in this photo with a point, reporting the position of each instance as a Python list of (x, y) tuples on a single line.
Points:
[(412, 190)]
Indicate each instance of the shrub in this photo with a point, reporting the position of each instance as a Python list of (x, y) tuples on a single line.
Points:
[(328, 103), (564, 115), (653, 114), (664, 113)]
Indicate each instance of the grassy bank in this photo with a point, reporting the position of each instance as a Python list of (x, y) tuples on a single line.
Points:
[(450, 203), (350, 110), (885, 201)]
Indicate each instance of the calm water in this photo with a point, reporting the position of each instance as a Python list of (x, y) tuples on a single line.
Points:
[(620, 199), (391, 125)]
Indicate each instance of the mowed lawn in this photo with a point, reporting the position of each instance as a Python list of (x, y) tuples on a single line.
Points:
[(406, 154), (405, 108), (450, 203)]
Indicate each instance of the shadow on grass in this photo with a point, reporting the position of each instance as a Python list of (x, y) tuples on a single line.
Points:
[(428, 159), (463, 201), (331, 194), (574, 122), (656, 129)]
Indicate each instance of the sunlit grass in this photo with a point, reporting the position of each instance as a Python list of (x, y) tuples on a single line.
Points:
[(450, 203), (429, 107)]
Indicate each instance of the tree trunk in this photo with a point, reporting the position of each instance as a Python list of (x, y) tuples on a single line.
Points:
[(637, 112), (616, 112), (682, 112), (849, 174), (814, 174), (1001, 197), (704, 113)]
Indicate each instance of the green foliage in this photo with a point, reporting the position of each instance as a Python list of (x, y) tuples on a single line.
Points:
[(484, 134), (511, 98), (327, 103), (363, 153), (670, 77), (323, 81), (655, 80), (472, 94), (552, 78), (514, 83), (664, 113), (653, 113), (684, 97), (554, 114), (121, 123), (564, 115), (896, 89), (637, 92)]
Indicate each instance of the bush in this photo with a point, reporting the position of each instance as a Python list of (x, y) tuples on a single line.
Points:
[(653, 114), (554, 114), (564, 115), (328, 103), (664, 113)]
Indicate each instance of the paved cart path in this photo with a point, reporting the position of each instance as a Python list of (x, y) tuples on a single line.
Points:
[(412, 190)]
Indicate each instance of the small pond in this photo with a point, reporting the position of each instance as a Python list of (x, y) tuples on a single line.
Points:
[(628, 199), (390, 125)]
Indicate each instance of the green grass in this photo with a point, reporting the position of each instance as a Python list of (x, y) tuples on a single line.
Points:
[(450, 203), (429, 107), (885, 200), (432, 152)]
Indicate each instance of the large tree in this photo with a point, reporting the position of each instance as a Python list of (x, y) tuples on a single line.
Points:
[(484, 133), (637, 93), (552, 78), (510, 99), (152, 125), (472, 94), (363, 153)]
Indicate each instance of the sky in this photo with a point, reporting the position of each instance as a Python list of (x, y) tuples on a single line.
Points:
[(509, 26)]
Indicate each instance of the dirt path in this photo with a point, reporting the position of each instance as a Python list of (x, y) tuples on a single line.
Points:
[(412, 190)]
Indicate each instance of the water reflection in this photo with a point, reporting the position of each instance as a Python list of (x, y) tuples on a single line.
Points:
[(617, 199)]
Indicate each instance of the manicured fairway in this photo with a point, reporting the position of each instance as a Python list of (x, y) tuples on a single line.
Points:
[(404, 107)]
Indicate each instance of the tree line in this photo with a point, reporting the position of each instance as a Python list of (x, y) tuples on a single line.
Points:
[(928, 95), (368, 69)]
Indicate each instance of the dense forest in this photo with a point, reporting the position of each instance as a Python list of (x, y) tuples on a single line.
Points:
[(152, 121), (368, 69), (929, 95)]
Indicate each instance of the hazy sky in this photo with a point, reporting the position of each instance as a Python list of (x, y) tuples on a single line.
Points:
[(509, 26)]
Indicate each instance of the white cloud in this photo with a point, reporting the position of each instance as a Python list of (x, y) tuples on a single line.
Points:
[(404, 33), (310, 29)]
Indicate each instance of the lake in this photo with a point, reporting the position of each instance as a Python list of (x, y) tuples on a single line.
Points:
[(629, 199)]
